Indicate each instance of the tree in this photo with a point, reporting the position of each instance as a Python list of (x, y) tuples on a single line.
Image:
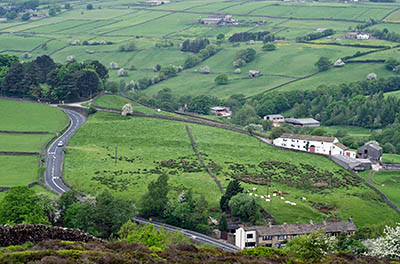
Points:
[(26, 16), (52, 11), (200, 104), (323, 64), (220, 36), (269, 47), (233, 188), (81, 216), (11, 15), (245, 207), (222, 224), (221, 79), (191, 61), (247, 55), (20, 206), (66, 199), (154, 202), (111, 213), (67, 6), (246, 115), (89, 6), (391, 63), (312, 248), (387, 245)]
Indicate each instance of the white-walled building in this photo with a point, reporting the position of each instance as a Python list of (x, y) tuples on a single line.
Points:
[(313, 144)]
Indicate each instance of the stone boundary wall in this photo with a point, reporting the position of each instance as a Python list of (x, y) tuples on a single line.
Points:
[(16, 153), (202, 161), (388, 166), (24, 132), (20, 234)]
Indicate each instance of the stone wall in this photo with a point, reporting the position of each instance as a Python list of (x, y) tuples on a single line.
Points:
[(19, 234)]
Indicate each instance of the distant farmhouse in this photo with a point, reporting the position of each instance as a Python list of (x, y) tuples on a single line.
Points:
[(275, 119), (303, 122), (221, 111), (254, 74), (357, 35), (277, 235), (314, 144), (156, 2), (371, 151), (217, 20)]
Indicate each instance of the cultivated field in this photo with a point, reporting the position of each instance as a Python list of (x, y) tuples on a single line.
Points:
[(147, 147), (121, 21), (25, 116)]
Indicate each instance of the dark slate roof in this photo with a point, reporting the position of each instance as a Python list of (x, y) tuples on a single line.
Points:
[(276, 115), (374, 146), (308, 137), (298, 229)]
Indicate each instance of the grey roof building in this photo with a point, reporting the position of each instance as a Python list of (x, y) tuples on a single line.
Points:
[(350, 163), (303, 122), (277, 235), (371, 151)]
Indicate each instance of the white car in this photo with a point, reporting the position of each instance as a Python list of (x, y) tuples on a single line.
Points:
[(60, 144)]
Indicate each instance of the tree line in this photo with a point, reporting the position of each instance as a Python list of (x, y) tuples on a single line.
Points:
[(42, 78), (264, 36), (358, 104)]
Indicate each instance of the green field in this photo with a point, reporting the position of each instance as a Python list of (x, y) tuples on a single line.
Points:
[(120, 21), (351, 130), (391, 158), (148, 147), (25, 116), (386, 181)]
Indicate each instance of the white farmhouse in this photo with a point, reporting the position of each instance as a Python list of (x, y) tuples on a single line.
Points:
[(314, 144), (363, 36)]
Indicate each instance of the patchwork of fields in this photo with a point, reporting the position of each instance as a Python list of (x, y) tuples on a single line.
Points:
[(124, 154), (25, 116), (121, 21)]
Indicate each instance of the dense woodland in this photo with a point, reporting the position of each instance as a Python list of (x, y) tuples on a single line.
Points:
[(42, 78)]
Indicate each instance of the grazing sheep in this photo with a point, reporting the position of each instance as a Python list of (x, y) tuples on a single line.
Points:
[(293, 203), (254, 189), (250, 194), (267, 200), (256, 195), (282, 198), (288, 202), (274, 194)]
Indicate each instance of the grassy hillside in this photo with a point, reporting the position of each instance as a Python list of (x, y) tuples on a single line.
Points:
[(386, 181), (121, 21), (148, 147)]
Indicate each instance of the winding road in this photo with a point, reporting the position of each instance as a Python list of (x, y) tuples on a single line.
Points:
[(55, 154), (191, 234), (53, 179)]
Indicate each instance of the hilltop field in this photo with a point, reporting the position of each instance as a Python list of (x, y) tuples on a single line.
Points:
[(25, 116), (146, 147), (111, 24)]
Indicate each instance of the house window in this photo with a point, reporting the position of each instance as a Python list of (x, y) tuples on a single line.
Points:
[(267, 237), (282, 237), (292, 145), (250, 244), (249, 235), (284, 139)]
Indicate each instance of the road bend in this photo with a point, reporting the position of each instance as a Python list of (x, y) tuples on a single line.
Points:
[(191, 234), (55, 156)]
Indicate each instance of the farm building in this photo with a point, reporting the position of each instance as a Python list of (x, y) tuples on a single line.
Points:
[(363, 36), (313, 144), (221, 111), (155, 2), (371, 151), (303, 122), (277, 235), (350, 163), (217, 19), (275, 119), (254, 73), (357, 35), (3, 19)]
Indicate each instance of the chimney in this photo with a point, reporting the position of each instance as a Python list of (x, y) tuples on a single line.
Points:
[(269, 225), (351, 219), (284, 223), (324, 222), (311, 222), (297, 223)]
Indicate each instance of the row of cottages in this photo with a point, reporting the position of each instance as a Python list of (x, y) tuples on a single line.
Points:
[(357, 35), (314, 144), (278, 235)]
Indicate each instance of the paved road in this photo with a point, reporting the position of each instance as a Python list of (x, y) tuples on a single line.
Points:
[(55, 155), (191, 234)]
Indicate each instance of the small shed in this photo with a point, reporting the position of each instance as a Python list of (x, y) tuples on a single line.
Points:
[(371, 151), (254, 73)]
